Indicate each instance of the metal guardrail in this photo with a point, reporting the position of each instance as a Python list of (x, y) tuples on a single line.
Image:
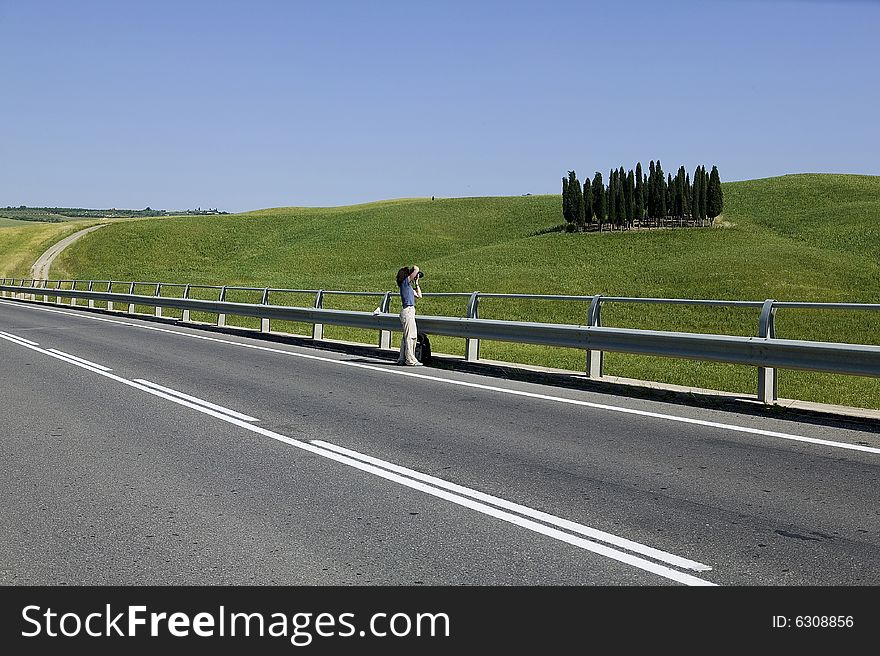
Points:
[(764, 351)]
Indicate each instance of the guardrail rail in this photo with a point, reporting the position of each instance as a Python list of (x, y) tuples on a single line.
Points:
[(764, 351)]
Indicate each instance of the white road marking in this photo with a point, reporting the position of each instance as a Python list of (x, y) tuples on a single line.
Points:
[(21, 339), (587, 545), (596, 534), (83, 360), (491, 388), (195, 399)]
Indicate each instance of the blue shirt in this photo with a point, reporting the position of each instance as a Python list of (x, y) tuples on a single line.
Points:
[(407, 297)]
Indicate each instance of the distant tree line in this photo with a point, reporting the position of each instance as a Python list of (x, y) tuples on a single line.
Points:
[(58, 214), (633, 199)]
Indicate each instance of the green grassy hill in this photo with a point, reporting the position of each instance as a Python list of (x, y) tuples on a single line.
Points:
[(11, 223), (798, 237), (22, 242)]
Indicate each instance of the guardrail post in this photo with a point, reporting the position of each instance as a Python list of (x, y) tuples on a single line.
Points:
[(131, 305), (185, 317), (73, 288), (595, 358), (89, 288), (318, 328), (33, 284), (221, 318), (264, 322), (472, 346), (768, 379), (385, 335), (158, 295), (109, 291), (57, 288)]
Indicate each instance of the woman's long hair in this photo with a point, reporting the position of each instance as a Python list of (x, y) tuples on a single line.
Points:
[(402, 274)]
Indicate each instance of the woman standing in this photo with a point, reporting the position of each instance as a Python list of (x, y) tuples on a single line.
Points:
[(408, 282)]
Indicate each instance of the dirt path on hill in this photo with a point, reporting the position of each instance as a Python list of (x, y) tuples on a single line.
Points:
[(40, 269)]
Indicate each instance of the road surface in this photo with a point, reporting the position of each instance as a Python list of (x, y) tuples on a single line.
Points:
[(138, 452)]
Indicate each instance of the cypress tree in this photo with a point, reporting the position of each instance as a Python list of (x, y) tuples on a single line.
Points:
[(656, 193), (573, 188), (661, 194), (612, 195), (651, 192), (609, 206), (566, 206), (619, 200), (629, 192), (687, 193), (588, 202), (670, 194), (704, 189), (599, 199), (683, 204), (639, 200), (714, 197), (677, 192), (565, 198), (661, 191), (580, 210), (695, 195)]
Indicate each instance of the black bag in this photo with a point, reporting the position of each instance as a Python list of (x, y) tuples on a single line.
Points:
[(423, 348)]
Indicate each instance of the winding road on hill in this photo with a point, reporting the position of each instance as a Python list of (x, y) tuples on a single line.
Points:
[(141, 452), (40, 269)]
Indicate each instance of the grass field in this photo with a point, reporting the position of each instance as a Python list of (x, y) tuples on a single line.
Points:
[(799, 237), (11, 223), (22, 242)]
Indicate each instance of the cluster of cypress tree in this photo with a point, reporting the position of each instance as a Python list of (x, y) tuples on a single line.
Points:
[(635, 199)]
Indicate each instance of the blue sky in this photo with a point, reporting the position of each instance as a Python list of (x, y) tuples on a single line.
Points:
[(247, 104)]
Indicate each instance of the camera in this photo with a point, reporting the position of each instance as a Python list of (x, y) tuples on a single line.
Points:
[(421, 274)]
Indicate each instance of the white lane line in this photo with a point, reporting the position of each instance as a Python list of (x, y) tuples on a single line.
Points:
[(491, 388), (587, 545), (78, 359), (20, 339), (569, 525), (195, 399)]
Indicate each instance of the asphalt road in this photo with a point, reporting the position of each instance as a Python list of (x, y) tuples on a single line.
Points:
[(319, 467)]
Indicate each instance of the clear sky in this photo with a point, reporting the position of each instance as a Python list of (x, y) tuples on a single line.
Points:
[(244, 104)]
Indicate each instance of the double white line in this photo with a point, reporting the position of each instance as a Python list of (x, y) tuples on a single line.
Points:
[(67, 357), (196, 400), (590, 539)]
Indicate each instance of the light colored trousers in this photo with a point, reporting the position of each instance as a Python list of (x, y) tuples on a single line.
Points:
[(408, 342)]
